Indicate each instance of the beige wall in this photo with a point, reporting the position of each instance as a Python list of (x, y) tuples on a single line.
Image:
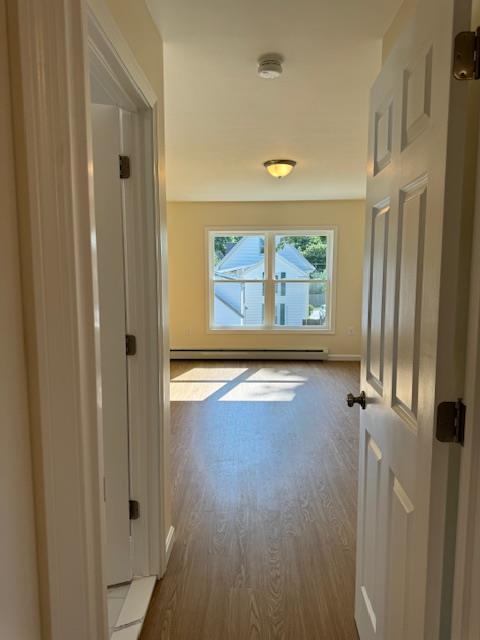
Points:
[(19, 605), (187, 222)]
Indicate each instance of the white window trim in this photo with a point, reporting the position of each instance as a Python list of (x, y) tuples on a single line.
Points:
[(270, 232)]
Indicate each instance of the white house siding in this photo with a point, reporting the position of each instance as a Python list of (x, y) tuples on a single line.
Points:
[(227, 307), (296, 298), (242, 304), (254, 302)]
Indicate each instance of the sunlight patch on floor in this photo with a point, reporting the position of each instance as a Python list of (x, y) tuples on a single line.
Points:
[(193, 391), (211, 374), (276, 375), (262, 392)]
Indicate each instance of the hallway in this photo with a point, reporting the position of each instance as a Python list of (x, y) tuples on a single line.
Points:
[(264, 468)]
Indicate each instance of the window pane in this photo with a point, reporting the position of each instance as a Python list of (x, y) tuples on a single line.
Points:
[(301, 257), (238, 304), (303, 305), (238, 257)]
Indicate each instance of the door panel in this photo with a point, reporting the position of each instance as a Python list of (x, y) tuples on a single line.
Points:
[(378, 274), (112, 318), (411, 253), (409, 269)]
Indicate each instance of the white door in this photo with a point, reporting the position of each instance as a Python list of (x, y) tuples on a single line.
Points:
[(107, 145), (410, 335)]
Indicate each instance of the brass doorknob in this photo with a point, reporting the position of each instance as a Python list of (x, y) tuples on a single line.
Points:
[(361, 400)]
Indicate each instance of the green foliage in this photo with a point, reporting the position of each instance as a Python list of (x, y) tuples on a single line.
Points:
[(313, 248), (222, 245)]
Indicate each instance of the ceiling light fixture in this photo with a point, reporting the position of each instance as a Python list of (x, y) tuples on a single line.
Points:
[(270, 66), (279, 168)]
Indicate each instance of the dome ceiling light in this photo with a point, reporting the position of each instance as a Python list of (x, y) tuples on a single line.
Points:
[(270, 66), (279, 168)]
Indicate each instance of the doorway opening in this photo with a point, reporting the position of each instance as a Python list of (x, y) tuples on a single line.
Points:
[(123, 125)]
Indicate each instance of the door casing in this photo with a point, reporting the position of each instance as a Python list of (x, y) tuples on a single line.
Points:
[(51, 99), (124, 86)]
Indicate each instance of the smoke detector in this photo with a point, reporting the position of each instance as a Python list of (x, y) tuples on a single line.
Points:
[(270, 66)]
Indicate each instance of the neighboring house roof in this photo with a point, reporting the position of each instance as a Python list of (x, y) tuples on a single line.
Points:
[(236, 309), (293, 255), (243, 255), (247, 253)]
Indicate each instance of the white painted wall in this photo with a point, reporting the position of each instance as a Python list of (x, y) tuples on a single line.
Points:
[(19, 607)]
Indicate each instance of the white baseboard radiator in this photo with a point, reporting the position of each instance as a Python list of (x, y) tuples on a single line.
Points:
[(249, 354)]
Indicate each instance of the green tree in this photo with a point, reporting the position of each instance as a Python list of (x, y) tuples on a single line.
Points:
[(222, 245), (313, 249)]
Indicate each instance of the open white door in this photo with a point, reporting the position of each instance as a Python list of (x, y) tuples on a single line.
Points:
[(106, 130), (410, 338)]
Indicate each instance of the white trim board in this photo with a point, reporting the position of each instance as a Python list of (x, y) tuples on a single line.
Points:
[(116, 72), (56, 217), (48, 47), (132, 614)]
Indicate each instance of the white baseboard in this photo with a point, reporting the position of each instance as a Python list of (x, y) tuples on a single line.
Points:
[(261, 354), (249, 354), (169, 542)]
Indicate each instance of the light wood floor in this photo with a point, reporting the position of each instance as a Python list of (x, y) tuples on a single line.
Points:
[(264, 465)]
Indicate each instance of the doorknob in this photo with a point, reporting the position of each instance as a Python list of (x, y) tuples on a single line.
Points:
[(361, 400)]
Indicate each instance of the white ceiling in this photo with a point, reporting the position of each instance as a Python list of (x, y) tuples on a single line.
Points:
[(223, 121)]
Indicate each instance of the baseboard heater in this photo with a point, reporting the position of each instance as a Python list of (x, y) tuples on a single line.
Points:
[(249, 354)]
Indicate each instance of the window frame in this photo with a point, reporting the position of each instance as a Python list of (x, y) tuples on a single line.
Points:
[(269, 280)]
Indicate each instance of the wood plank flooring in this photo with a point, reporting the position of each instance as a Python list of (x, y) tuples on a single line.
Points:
[(264, 469)]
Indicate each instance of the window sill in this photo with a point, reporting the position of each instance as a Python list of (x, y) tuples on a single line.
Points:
[(270, 331)]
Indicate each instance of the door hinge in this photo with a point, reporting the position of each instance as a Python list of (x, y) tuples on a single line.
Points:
[(124, 162), (130, 344), (466, 55), (451, 422), (134, 509)]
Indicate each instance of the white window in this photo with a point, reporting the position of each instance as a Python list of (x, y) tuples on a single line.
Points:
[(271, 280)]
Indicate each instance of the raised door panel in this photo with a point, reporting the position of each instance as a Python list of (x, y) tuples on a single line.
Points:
[(417, 96), (383, 136), (369, 579), (409, 269), (377, 294), (400, 562)]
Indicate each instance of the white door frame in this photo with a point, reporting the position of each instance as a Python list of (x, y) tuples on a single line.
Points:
[(128, 89), (466, 595), (54, 168)]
